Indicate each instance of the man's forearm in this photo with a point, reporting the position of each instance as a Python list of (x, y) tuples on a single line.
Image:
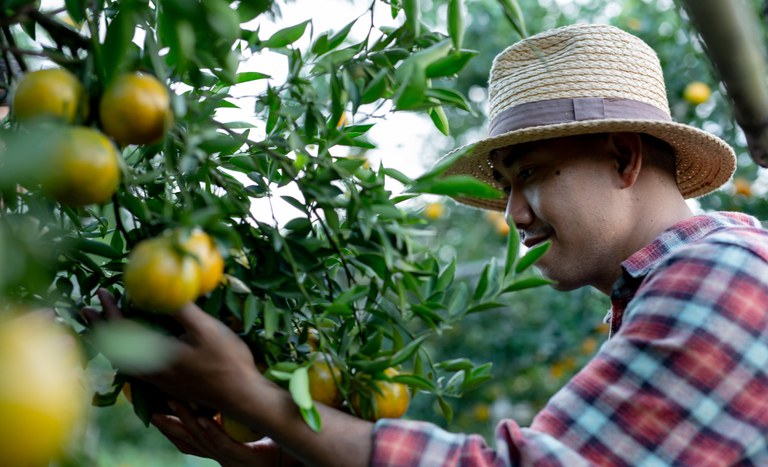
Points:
[(344, 440)]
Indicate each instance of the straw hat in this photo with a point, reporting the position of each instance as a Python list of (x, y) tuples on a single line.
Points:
[(585, 79)]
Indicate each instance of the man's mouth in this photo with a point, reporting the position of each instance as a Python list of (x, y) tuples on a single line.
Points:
[(530, 242), (531, 239)]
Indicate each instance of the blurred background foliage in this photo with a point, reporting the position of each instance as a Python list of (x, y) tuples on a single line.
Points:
[(540, 338)]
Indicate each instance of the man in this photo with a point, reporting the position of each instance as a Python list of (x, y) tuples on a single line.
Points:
[(582, 141)]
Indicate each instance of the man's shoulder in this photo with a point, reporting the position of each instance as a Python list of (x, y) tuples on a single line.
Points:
[(748, 237)]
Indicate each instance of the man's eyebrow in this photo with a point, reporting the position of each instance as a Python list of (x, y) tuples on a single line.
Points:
[(510, 154)]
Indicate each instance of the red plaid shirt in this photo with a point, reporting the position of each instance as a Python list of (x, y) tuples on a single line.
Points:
[(683, 380)]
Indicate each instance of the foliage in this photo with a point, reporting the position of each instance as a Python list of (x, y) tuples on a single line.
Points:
[(338, 256)]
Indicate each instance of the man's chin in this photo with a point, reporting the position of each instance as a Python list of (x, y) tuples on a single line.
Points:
[(558, 282)]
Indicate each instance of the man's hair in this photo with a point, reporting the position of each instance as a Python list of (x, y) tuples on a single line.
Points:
[(659, 153)]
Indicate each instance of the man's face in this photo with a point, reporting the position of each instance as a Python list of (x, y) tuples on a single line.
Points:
[(564, 190)]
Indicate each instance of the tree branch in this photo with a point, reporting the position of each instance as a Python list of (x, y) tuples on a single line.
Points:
[(731, 38)]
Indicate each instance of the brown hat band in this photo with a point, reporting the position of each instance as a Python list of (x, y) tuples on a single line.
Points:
[(554, 111)]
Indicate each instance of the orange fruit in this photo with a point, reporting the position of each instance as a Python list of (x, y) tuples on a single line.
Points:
[(696, 93), (53, 93), (434, 211), (238, 431), (322, 382), (42, 398), (83, 167), (136, 109), (208, 259), (391, 401), (159, 277), (742, 187)]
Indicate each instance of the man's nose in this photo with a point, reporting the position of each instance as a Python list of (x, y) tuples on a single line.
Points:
[(518, 210)]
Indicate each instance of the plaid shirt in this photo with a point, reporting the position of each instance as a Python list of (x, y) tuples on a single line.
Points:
[(683, 380)]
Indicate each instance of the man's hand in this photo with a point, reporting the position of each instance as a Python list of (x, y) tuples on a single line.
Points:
[(205, 438), (212, 366)]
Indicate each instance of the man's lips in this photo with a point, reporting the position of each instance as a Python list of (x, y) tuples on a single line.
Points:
[(530, 239)]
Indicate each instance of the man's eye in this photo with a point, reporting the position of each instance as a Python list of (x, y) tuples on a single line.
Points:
[(525, 174)]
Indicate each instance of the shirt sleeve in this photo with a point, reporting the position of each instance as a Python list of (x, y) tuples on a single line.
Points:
[(683, 382)]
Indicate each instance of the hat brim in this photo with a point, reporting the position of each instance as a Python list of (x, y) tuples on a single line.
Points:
[(704, 162)]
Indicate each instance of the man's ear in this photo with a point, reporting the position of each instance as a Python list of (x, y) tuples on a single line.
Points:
[(627, 151)]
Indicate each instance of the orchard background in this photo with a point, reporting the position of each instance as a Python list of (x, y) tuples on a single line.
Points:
[(300, 146)]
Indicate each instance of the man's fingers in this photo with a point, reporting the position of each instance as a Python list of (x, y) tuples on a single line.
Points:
[(90, 315), (194, 320), (111, 310), (172, 428)]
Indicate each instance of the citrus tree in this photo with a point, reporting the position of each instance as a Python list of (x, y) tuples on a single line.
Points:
[(119, 173)]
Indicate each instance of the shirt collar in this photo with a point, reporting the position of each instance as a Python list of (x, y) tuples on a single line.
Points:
[(689, 230)]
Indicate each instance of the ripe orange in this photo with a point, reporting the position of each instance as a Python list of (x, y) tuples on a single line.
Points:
[(42, 398), (136, 109), (52, 93), (322, 382), (159, 277), (434, 211), (696, 93), (742, 187), (83, 169), (391, 402), (238, 431), (208, 259)]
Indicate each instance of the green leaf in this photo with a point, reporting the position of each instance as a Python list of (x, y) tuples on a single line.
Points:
[(412, 84), (456, 364), (456, 185), (456, 22), (513, 248), (299, 388), (449, 96), (445, 163), (413, 16), (526, 283), (482, 283), (119, 35), (408, 351), (375, 88), (532, 256), (415, 381), (96, 248), (514, 14), (312, 418), (445, 279), (286, 36), (459, 300), (248, 76), (397, 175), (446, 409), (450, 65), (222, 19), (321, 44), (477, 376), (271, 315), (250, 9), (76, 10), (437, 114), (250, 313), (336, 40)]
